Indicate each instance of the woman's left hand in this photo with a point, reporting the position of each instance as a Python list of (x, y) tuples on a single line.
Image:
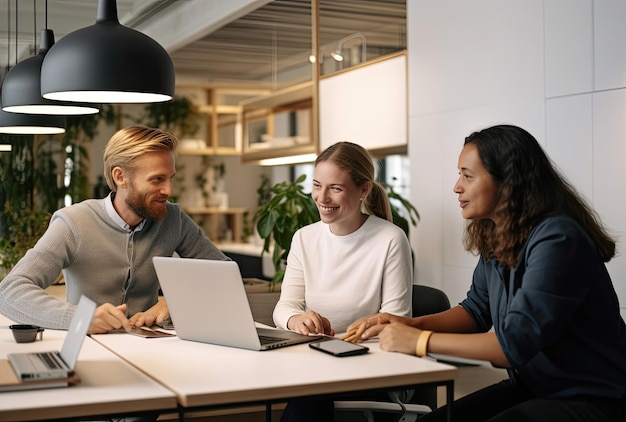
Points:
[(370, 326), (398, 337), (154, 315)]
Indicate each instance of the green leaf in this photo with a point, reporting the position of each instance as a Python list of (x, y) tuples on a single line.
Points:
[(266, 223), (288, 209)]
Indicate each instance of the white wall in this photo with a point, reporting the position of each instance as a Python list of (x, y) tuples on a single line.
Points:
[(554, 67)]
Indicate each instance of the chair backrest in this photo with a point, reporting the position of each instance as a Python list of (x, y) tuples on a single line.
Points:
[(428, 300)]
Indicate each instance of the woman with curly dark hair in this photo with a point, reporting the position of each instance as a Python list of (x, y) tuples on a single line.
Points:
[(541, 303)]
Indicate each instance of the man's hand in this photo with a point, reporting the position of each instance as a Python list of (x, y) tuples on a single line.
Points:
[(155, 315), (108, 317), (310, 322)]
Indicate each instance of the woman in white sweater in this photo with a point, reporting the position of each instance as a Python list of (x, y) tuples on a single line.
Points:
[(354, 261)]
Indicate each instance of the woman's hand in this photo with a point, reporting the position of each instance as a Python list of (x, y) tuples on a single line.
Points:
[(154, 315), (371, 326), (107, 318), (310, 322), (396, 337)]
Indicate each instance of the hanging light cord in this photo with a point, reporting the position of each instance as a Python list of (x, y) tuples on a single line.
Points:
[(274, 60), (16, 33), (8, 36), (35, 26)]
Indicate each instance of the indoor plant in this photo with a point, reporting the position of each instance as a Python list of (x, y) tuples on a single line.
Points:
[(179, 115), (24, 229), (398, 202), (278, 219), (30, 175)]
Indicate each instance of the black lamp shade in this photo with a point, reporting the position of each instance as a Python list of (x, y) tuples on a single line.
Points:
[(21, 88), (107, 63), (31, 124)]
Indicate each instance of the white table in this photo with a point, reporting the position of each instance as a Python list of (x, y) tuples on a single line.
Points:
[(204, 375), (109, 385)]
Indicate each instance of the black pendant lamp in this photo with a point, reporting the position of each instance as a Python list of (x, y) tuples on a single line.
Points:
[(107, 63), (31, 124), (28, 124), (21, 88)]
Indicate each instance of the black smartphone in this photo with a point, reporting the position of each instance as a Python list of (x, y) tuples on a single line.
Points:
[(145, 332), (167, 324), (339, 348)]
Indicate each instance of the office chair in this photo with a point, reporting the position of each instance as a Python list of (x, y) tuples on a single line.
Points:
[(428, 300), (425, 300)]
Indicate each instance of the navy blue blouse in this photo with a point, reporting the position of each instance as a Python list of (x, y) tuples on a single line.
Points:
[(556, 315)]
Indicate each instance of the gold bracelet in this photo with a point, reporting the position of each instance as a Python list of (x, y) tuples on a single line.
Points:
[(421, 348)]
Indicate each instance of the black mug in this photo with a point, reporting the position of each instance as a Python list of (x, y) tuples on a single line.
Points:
[(26, 333)]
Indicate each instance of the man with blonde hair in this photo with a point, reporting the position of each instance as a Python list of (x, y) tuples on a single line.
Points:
[(104, 247)]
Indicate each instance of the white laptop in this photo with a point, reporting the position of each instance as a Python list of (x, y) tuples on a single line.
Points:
[(32, 366), (208, 303)]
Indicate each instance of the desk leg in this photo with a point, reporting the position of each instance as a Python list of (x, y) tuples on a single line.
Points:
[(214, 225), (449, 400), (236, 227), (268, 412)]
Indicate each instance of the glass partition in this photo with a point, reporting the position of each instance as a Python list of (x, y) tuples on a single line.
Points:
[(353, 32), (284, 45)]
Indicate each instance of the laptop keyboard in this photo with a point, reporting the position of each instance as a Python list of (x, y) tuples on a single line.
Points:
[(50, 360), (270, 339)]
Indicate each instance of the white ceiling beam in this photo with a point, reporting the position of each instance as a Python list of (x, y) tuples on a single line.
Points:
[(187, 21)]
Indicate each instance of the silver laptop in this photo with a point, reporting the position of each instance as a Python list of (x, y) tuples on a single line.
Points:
[(208, 303), (31, 366)]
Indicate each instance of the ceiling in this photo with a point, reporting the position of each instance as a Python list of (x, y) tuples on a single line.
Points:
[(220, 42)]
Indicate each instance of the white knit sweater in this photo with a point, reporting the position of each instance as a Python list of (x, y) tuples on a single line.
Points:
[(344, 278)]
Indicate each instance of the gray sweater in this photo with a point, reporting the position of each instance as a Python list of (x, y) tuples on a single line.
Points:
[(99, 259)]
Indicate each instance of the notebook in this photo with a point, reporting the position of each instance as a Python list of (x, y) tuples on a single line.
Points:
[(34, 366), (208, 303)]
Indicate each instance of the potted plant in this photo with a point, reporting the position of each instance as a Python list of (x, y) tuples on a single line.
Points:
[(29, 181), (277, 220), (398, 202), (179, 115), (290, 208), (24, 229)]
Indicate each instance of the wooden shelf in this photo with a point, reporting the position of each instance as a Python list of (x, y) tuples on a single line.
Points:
[(234, 219), (280, 97), (222, 120), (220, 109), (215, 210), (208, 151), (279, 124)]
